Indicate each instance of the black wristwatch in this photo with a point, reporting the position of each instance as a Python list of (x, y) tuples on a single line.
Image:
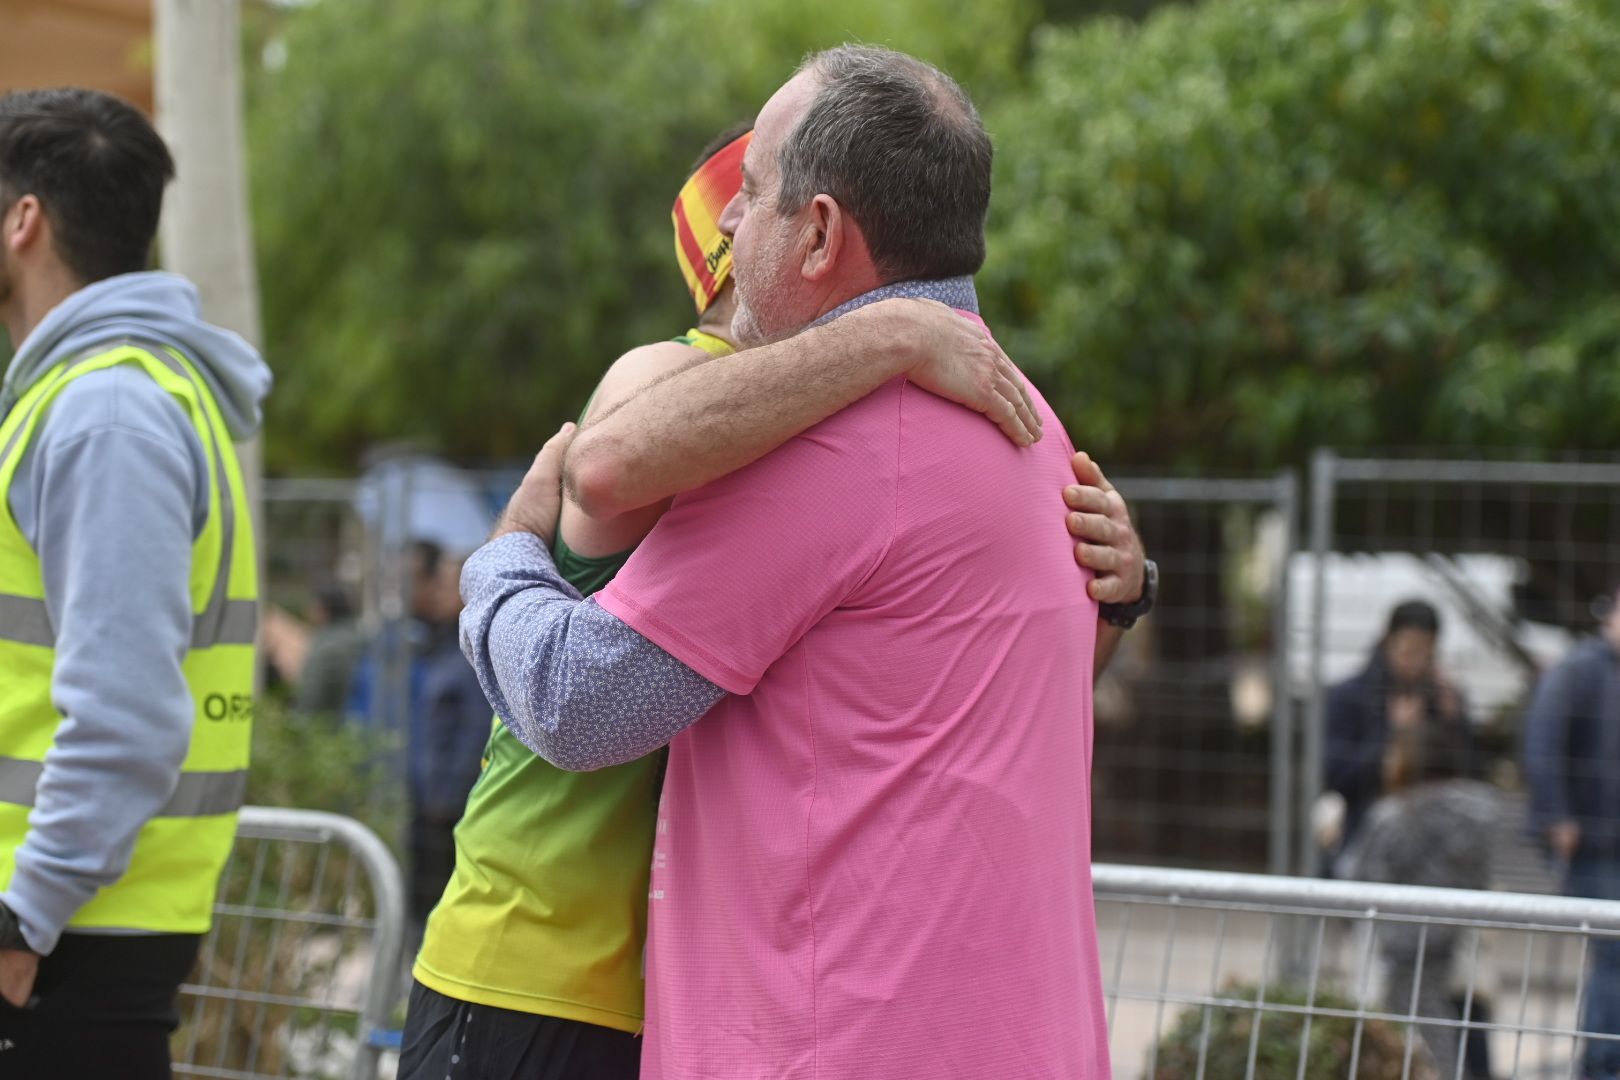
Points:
[(11, 936), (1124, 616)]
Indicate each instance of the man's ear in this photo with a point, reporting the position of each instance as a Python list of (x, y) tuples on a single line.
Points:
[(826, 233), (23, 224)]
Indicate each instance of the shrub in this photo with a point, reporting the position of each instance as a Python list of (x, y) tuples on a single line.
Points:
[(1242, 229), (1328, 1054)]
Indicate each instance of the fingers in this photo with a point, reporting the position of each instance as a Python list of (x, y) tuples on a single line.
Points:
[(1099, 558), (1092, 500), (550, 457), (1025, 403), (1108, 547), (1097, 529), (1014, 418), (558, 443), (1089, 500), (1121, 584), (535, 505), (1089, 473), (1111, 589), (1093, 493), (1014, 409)]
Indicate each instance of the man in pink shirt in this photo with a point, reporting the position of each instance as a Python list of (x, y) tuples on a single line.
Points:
[(873, 854)]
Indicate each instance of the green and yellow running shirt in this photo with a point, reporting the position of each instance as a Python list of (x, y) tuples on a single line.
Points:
[(707, 342), (547, 910)]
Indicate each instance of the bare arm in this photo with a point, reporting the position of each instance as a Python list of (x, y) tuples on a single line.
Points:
[(630, 374), (683, 431)]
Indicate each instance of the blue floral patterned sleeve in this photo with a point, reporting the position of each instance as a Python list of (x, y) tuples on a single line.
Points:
[(572, 682)]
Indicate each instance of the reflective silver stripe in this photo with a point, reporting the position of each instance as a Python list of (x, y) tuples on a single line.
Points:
[(25, 621), (202, 793), (198, 794), (237, 625), (18, 779)]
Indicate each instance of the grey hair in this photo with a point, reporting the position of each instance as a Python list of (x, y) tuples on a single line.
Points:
[(901, 148)]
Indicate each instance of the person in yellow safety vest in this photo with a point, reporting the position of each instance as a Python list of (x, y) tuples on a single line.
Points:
[(127, 596)]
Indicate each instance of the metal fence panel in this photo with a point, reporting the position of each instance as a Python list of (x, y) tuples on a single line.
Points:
[(1222, 976), (1512, 553), (301, 971), (1194, 738), (1195, 735), (352, 538)]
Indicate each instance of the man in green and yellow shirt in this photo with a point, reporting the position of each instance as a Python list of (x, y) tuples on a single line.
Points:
[(532, 962)]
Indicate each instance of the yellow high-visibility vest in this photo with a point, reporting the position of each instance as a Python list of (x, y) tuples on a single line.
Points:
[(169, 886)]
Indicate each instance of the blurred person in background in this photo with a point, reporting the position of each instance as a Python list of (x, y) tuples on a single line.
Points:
[(446, 718), (128, 588), (317, 658), (449, 726), (336, 645), (1435, 827), (532, 962), (759, 568), (1400, 688), (1572, 762)]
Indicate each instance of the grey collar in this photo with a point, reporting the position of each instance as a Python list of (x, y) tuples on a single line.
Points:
[(956, 292)]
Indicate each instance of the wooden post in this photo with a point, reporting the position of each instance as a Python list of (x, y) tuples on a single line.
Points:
[(206, 233)]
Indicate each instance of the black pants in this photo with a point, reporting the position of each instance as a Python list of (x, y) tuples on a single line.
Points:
[(105, 1006), (446, 1039)]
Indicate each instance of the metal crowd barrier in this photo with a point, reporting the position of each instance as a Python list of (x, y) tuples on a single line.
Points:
[(301, 972), (1221, 976)]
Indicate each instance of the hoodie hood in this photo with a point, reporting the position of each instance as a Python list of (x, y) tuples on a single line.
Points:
[(150, 306)]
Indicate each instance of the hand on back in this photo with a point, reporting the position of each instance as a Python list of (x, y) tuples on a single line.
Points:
[(1106, 541), (957, 359), (538, 501)]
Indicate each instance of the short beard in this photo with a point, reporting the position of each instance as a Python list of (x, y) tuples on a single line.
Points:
[(746, 329), (759, 316)]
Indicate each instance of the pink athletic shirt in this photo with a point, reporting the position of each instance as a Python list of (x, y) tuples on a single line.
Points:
[(873, 860)]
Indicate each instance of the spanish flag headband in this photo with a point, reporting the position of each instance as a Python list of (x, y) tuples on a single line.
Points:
[(703, 251)]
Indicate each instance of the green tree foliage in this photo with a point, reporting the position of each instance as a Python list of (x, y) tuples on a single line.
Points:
[(1242, 229), (462, 206)]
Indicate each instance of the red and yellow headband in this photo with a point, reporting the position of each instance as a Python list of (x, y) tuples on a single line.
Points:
[(703, 251)]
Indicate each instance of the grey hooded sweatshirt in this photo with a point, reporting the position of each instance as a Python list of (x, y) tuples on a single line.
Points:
[(111, 493)]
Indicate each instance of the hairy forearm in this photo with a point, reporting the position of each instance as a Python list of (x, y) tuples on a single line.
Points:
[(714, 418)]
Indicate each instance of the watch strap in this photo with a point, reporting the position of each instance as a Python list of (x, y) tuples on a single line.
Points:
[(1125, 616)]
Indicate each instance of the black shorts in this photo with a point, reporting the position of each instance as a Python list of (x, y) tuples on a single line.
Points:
[(446, 1039)]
